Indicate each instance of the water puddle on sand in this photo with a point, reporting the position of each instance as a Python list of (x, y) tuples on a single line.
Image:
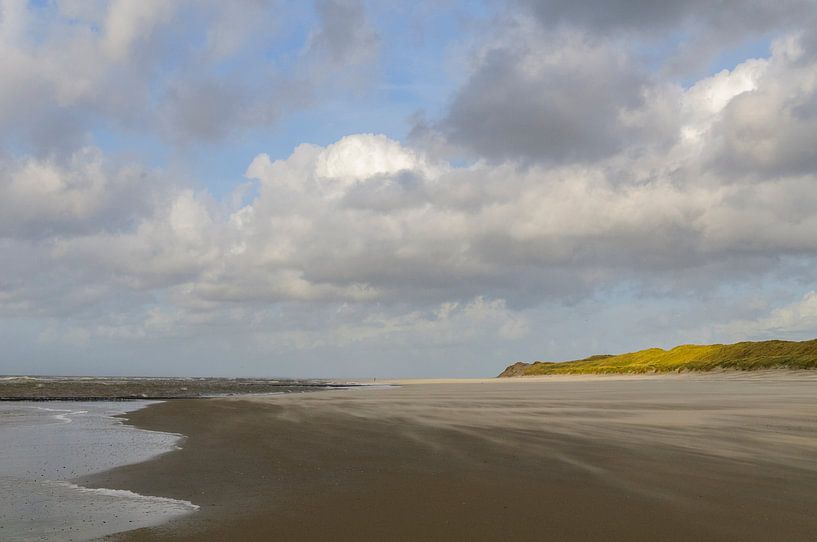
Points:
[(43, 446)]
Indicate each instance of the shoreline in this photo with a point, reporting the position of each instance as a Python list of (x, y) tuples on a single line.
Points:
[(661, 458), (149, 389), (39, 496)]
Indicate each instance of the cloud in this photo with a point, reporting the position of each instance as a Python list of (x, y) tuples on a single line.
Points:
[(686, 35), (129, 23), (644, 16), (184, 72), (85, 193), (765, 131), (446, 324), (204, 108), (562, 82), (556, 98), (367, 219), (77, 69), (343, 36), (797, 319), (176, 243)]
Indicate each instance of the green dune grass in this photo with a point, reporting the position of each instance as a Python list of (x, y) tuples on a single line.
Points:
[(689, 357)]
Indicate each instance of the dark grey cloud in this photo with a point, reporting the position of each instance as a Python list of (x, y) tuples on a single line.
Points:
[(344, 35), (206, 110), (551, 101), (612, 15), (645, 17)]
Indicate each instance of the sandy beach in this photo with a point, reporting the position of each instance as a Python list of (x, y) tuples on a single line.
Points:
[(675, 457)]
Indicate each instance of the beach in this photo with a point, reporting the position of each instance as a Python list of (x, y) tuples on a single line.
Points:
[(729, 456)]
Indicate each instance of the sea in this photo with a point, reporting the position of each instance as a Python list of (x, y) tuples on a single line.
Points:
[(45, 446)]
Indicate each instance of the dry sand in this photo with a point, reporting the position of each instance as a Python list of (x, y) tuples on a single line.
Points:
[(714, 457)]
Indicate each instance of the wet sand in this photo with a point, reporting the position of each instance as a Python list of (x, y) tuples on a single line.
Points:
[(711, 457)]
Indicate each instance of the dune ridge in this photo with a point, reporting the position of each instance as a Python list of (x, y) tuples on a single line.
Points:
[(774, 354)]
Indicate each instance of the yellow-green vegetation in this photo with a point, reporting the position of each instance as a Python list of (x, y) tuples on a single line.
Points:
[(689, 357)]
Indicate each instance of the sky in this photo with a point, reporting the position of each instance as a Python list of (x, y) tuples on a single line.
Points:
[(343, 188)]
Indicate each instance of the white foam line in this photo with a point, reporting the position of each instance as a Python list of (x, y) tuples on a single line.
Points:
[(121, 421), (125, 494), (61, 417), (51, 409), (65, 416)]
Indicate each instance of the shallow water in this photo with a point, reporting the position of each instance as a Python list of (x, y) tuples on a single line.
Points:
[(43, 446)]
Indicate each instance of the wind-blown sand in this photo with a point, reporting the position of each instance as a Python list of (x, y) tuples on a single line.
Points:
[(710, 457)]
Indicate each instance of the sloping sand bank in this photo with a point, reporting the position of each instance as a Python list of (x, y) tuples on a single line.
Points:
[(713, 457)]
